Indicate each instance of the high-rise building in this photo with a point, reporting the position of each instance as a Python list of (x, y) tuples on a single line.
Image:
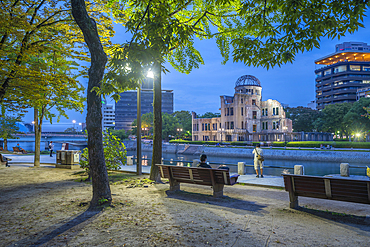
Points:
[(126, 107), (244, 117), (342, 73), (108, 116)]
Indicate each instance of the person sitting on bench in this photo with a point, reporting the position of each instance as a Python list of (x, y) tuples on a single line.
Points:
[(203, 163)]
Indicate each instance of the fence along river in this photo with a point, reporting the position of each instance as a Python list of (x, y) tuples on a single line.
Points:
[(273, 167)]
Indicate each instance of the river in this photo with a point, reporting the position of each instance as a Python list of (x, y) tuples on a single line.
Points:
[(310, 167)]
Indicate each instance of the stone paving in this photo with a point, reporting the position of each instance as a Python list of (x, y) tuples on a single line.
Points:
[(46, 160)]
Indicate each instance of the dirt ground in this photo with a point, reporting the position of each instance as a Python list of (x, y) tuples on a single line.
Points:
[(48, 207)]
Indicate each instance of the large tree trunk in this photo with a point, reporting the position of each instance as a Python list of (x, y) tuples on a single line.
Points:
[(5, 144), (157, 120), (36, 162), (100, 182)]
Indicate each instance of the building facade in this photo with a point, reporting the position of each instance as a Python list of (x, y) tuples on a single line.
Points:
[(363, 93), (126, 107), (342, 73), (244, 117), (108, 119)]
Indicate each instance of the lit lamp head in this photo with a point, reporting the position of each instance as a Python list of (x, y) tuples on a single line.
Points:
[(150, 74)]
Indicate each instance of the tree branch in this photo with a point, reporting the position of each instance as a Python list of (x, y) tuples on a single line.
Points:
[(181, 8)]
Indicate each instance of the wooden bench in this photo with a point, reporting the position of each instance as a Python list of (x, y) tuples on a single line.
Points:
[(4, 160), (216, 178), (339, 189), (19, 150)]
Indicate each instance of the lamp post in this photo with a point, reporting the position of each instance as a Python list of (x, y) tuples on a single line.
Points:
[(80, 125), (222, 130), (33, 124), (138, 127), (178, 132), (138, 132)]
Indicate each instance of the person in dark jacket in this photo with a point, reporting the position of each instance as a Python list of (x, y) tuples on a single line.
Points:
[(203, 163)]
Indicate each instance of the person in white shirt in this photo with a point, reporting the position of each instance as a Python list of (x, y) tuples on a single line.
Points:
[(258, 163)]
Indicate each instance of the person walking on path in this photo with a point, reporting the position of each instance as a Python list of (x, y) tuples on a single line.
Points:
[(258, 152), (51, 148)]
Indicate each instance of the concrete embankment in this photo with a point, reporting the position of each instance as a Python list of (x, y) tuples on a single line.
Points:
[(268, 153)]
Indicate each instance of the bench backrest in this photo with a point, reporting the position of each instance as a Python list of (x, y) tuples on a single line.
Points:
[(196, 175), (341, 189), (16, 149)]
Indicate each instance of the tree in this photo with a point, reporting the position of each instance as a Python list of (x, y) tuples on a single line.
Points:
[(121, 134), (209, 115), (184, 120), (262, 33), (146, 122), (100, 182), (114, 153), (31, 28), (70, 130), (170, 126), (53, 87), (356, 119), (332, 118), (279, 30), (8, 127), (303, 118)]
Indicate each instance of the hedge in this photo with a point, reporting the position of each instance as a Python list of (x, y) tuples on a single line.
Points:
[(317, 144), (307, 144)]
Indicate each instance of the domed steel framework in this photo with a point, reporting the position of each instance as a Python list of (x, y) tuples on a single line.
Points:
[(247, 80)]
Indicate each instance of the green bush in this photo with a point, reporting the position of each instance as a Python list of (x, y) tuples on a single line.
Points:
[(114, 153), (317, 144)]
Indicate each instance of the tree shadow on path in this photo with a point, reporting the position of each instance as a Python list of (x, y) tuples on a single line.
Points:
[(54, 231), (231, 204)]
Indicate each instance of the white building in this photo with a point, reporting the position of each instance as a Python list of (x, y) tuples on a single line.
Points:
[(108, 119), (244, 117)]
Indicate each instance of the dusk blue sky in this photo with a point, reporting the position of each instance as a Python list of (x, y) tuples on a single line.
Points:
[(199, 91)]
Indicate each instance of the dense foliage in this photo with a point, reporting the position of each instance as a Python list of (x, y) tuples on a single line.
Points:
[(114, 153), (303, 118), (177, 124)]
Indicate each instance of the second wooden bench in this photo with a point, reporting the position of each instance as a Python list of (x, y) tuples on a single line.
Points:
[(216, 178)]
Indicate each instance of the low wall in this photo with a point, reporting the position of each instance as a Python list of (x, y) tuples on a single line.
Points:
[(314, 155)]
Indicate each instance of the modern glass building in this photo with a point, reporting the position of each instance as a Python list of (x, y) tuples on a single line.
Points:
[(342, 73), (126, 107), (108, 116)]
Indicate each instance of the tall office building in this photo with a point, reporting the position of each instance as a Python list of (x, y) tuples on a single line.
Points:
[(342, 73), (108, 116), (126, 107)]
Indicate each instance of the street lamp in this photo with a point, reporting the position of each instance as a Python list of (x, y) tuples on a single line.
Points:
[(358, 136), (222, 130), (178, 132), (80, 125)]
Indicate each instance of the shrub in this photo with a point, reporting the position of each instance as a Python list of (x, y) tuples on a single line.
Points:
[(114, 154)]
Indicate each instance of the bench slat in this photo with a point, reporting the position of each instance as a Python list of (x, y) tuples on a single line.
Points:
[(349, 190)]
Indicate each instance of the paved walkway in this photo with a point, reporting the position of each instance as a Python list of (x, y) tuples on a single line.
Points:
[(46, 160)]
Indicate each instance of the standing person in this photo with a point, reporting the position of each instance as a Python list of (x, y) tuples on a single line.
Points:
[(203, 163), (257, 162), (51, 148)]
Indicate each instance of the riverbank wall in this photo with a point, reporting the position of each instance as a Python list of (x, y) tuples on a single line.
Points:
[(268, 153)]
